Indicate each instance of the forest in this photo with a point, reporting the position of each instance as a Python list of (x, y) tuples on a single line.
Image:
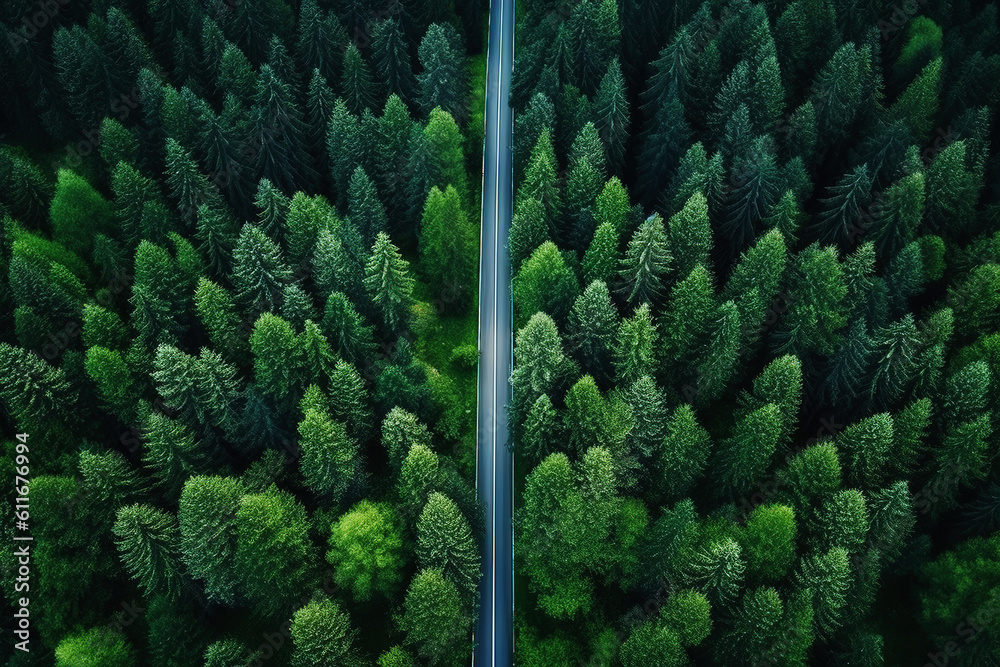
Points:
[(755, 252), (238, 346), (755, 267)]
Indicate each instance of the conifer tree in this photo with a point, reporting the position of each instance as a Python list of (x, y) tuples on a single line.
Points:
[(683, 453), (433, 618), (448, 246), (356, 84), (389, 284), (320, 41), (541, 183), (592, 329), (528, 229), (634, 349), (391, 59), (364, 207), (349, 334), (274, 554), (149, 543), (601, 261), (745, 457), (444, 542), (647, 261), (442, 82), (691, 234), (207, 509), (611, 116), (259, 272), (544, 284)]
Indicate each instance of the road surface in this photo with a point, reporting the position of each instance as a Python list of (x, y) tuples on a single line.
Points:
[(494, 630)]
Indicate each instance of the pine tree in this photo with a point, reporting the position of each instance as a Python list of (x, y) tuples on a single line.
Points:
[(433, 618), (895, 352), (297, 306), (391, 58), (601, 261), (637, 339), (356, 84), (320, 41), (366, 550), (115, 383), (719, 367), (335, 269), (592, 329), (585, 418), (746, 456), (541, 183), (919, 102), (687, 321), (717, 570), (206, 512), (596, 37), (664, 142), (444, 542), (755, 187), (542, 429), (448, 246), (389, 284), (769, 542), (647, 261), (418, 476), (349, 335), (173, 453), (148, 542), (274, 554), (528, 230), (259, 272), (277, 358), (691, 234), (442, 82), (78, 212), (217, 312), (343, 145), (682, 455), (839, 90), (541, 367), (815, 315), (446, 165), (283, 157), (328, 456), (237, 77), (544, 284), (160, 314), (317, 357), (825, 578), (539, 115), (841, 217), (611, 116), (273, 206), (364, 207)]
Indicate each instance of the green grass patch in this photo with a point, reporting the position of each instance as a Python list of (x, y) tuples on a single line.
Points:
[(475, 132)]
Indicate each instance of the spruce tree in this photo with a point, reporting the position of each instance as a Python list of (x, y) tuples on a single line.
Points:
[(611, 116), (444, 542), (259, 272), (391, 59), (442, 83), (149, 544), (328, 456), (647, 262), (389, 284)]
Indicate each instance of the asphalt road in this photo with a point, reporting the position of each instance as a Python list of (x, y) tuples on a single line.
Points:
[(494, 470)]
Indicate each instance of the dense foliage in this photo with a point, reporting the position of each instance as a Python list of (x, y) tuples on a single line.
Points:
[(237, 293), (756, 274)]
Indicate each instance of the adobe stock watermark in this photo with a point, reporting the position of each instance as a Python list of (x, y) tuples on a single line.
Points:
[(32, 23)]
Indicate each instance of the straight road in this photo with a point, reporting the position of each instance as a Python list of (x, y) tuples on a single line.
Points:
[(494, 470)]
